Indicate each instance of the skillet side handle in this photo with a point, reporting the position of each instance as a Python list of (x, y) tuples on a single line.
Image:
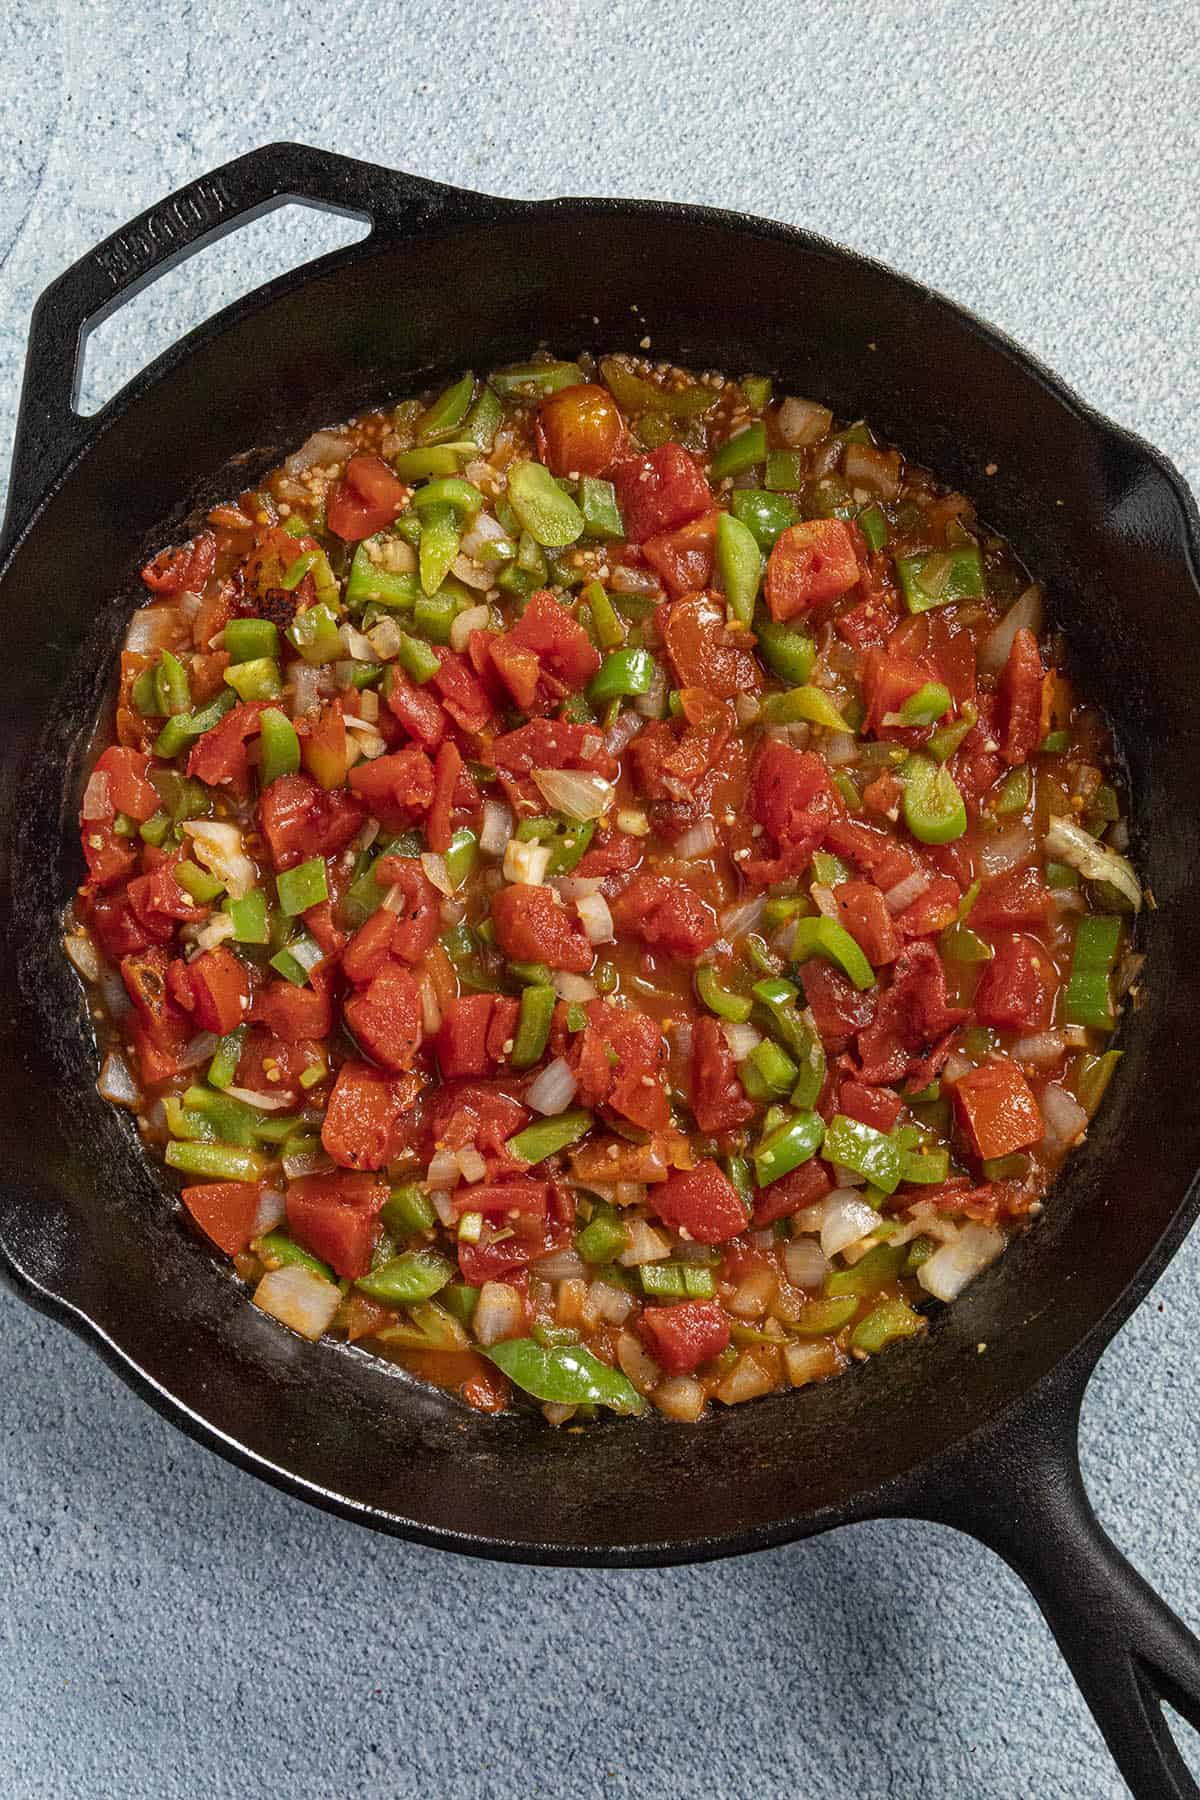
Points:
[(1022, 1494), (50, 433)]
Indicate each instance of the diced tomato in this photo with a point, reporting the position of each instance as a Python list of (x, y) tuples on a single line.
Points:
[(876, 1106), (335, 1217), (718, 1099), (218, 757), (996, 1108), (370, 947), (1018, 900), (704, 650), (226, 1212), (221, 990), (660, 492), (296, 1014), (701, 1201), (367, 498), (553, 744), (861, 909), (877, 853), (931, 911), (463, 694), (386, 1018), (812, 562), (361, 1120), (109, 858), (473, 1112), (868, 625), (582, 430), (1020, 699), (115, 924), (618, 1061), (469, 1040), (159, 903), (888, 680), (299, 820), (683, 559), (612, 852), (186, 568), (682, 1337), (533, 925), (556, 640), (129, 787), (417, 709), (398, 789), (160, 1030), (909, 1037), (324, 750), (517, 669), (270, 1065), (506, 1245), (320, 925), (792, 799), (447, 768), (803, 1187), (839, 1008), (418, 921), (666, 915), (976, 767), (1017, 988), (531, 1199)]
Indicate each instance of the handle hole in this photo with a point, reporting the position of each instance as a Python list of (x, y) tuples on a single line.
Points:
[(149, 322), (1187, 1738)]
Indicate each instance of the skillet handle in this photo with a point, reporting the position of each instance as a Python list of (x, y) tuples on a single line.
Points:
[(1020, 1492), (50, 433)]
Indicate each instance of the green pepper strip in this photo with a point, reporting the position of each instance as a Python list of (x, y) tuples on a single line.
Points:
[(789, 1145), (278, 1251), (940, 577), (546, 1137), (739, 564), (304, 886), (934, 810), (408, 1209), (405, 1280), (1088, 998), (881, 1264), (603, 1239), (183, 727), (719, 1000), (742, 451), (533, 1026), (790, 654), (417, 660), (867, 1151), (890, 1320), (810, 704), (247, 640), (622, 674), (249, 915), (819, 936), (1093, 1077), (223, 1067), (609, 629), (768, 1072), (216, 1162), (279, 746)]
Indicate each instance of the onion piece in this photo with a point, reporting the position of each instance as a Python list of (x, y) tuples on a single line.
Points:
[(802, 422), (217, 846), (431, 1011), (306, 683), (596, 918), (443, 1205), (953, 1266), (823, 900), (561, 1265), (680, 1397), (443, 1169), (738, 919), (497, 828), (319, 451), (577, 795), (847, 1218), (84, 954), (644, 1245), (742, 1039), (482, 530), (578, 887), (97, 798), (525, 865), (698, 840), (637, 1363), (1001, 851), (214, 931), (471, 1166), (116, 1081), (248, 1096), (839, 749), (474, 618), (745, 1381), (499, 1313), (200, 1049), (356, 644), (1071, 844), (1042, 1048), (384, 638), (553, 1090), (1025, 614), (810, 1362), (573, 987), (298, 1297), (270, 1211), (306, 1162), (624, 729), (1065, 1119), (898, 898), (435, 868), (610, 1303), (152, 628), (806, 1263), (747, 707)]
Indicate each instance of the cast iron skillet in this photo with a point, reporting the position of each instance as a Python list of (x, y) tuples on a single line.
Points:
[(983, 1439)]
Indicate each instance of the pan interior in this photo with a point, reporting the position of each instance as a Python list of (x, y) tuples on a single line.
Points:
[(87, 1217)]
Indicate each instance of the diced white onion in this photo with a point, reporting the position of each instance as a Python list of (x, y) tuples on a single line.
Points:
[(475, 618), (823, 900), (270, 1211), (577, 795), (839, 748), (561, 1265), (754, 1293), (497, 828), (697, 841), (802, 422), (1025, 613), (622, 732), (680, 1397), (217, 846), (573, 987), (809, 1362), (1042, 1048), (214, 931), (431, 1012), (152, 628), (482, 530), (741, 1038), (745, 1381), (847, 1218), (471, 1166), (435, 868), (578, 887), (116, 1082), (443, 1169), (625, 580), (84, 954), (653, 703), (306, 1162), (905, 892), (499, 1313), (365, 738), (442, 1204), (806, 1263), (97, 799), (1008, 849), (384, 639), (199, 1049), (633, 822), (953, 1266), (473, 575), (356, 644), (298, 1297), (525, 864), (747, 708), (596, 918), (955, 1067), (553, 1090), (1070, 843), (321, 450), (306, 684), (645, 1245), (1065, 1119), (610, 1303), (637, 1363), (738, 919)]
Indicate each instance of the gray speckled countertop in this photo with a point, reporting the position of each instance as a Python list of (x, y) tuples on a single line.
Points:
[(172, 1628)]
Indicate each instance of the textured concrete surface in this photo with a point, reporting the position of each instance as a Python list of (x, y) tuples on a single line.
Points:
[(171, 1628)]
